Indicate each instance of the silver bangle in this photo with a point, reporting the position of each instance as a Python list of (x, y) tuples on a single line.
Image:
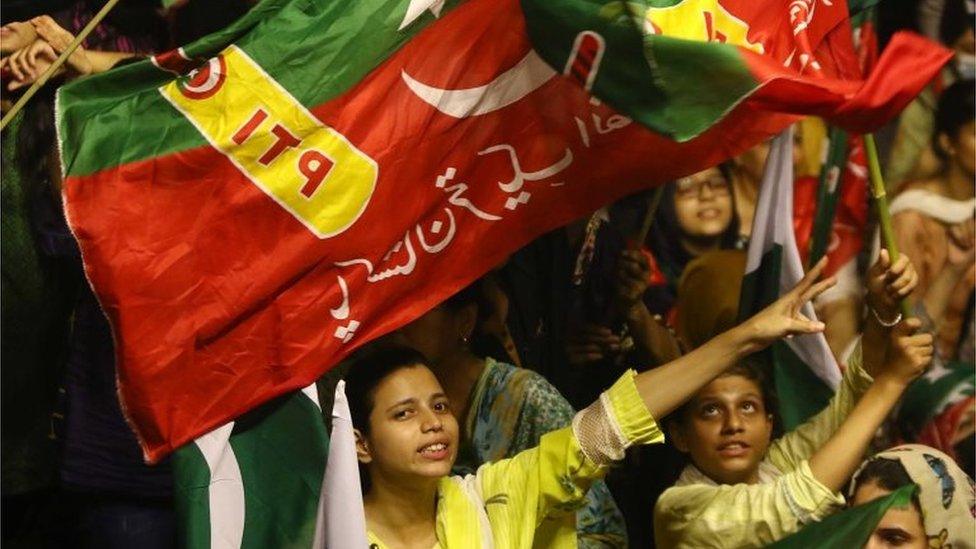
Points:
[(883, 322)]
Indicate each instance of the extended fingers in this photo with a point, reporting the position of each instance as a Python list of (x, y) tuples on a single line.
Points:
[(16, 65), (803, 325), (817, 289)]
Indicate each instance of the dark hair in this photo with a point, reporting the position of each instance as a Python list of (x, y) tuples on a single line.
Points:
[(666, 234), (753, 372), (367, 369), (482, 344), (954, 22), (955, 110), (888, 474), (36, 137)]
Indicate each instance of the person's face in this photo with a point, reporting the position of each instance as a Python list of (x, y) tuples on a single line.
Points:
[(703, 204), (413, 433), (899, 527), (726, 429)]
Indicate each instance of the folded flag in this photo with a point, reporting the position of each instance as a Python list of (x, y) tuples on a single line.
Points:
[(343, 522), (256, 205), (804, 371)]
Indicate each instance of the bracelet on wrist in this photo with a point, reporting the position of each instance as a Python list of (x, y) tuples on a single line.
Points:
[(883, 322)]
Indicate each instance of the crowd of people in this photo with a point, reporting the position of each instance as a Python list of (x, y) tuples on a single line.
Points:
[(600, 388)]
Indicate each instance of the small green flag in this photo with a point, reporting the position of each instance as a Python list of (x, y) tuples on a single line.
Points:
[(849, 528)]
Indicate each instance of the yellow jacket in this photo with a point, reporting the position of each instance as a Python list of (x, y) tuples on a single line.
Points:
[(503, 503), (698, 512)]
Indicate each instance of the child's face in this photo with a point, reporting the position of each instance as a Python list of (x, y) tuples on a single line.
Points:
[(726, 429)]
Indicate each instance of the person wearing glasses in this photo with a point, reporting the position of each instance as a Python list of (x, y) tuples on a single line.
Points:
[(696, 215)]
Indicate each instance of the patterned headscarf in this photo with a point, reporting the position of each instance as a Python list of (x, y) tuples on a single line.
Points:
[(945, 495)]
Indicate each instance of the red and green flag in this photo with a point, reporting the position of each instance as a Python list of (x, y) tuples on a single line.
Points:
[(254, 206)]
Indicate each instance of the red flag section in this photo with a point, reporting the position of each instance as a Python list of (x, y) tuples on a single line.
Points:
[(241, 270)]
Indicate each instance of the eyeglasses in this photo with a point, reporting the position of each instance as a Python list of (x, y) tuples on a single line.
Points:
[(689, 187)]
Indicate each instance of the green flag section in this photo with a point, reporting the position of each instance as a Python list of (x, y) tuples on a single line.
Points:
[(944, 385), (253, 207), (828, 191), (804, 371), (850, 528), (255, 482)]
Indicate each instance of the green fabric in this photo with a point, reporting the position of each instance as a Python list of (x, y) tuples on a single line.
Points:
[(929, 395), (850, 528), (336, 43), (801, 393), (653, 79), (191, 478), (280, 449), (828, 192)]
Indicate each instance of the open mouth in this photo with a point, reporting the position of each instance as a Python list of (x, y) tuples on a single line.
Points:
[(734, 448), (435, 451), (708, 213)]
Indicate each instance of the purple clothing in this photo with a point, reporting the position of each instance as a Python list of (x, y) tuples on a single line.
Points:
[(100, 451)]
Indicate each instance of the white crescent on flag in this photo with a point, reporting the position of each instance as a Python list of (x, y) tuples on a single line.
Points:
[(525, 77)]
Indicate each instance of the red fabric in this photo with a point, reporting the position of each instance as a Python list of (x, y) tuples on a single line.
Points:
[(221, 300), (858, 106), (940, 432), (850, 218)]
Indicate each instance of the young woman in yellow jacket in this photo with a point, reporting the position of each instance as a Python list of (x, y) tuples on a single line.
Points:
[(407, 439)]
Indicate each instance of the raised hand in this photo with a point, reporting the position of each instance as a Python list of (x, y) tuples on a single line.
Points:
[(591, 344), (59, 40), (633, 272), (909, 353), (28, 64), (15, 36), (888, 284), (783, 318)]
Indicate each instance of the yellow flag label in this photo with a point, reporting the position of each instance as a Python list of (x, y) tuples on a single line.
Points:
[(308, 168), (701, 20)]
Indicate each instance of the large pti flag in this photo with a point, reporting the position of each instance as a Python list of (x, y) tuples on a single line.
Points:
[(804, 370), (331, 170)]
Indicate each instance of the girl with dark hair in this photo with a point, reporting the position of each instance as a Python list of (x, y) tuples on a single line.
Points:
[(941, 512), (745, 489), (503, 409), (408, 440), (697, 214), (934, 224)]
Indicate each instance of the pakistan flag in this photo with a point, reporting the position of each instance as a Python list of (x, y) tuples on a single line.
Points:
[(804, 371)]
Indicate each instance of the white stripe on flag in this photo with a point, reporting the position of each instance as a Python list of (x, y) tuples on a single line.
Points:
[(226, 488), (342, 522), (773, 224)]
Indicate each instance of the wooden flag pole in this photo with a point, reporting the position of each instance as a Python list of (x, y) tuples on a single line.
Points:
[(19, 105), (649, 217), (881, 207)]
